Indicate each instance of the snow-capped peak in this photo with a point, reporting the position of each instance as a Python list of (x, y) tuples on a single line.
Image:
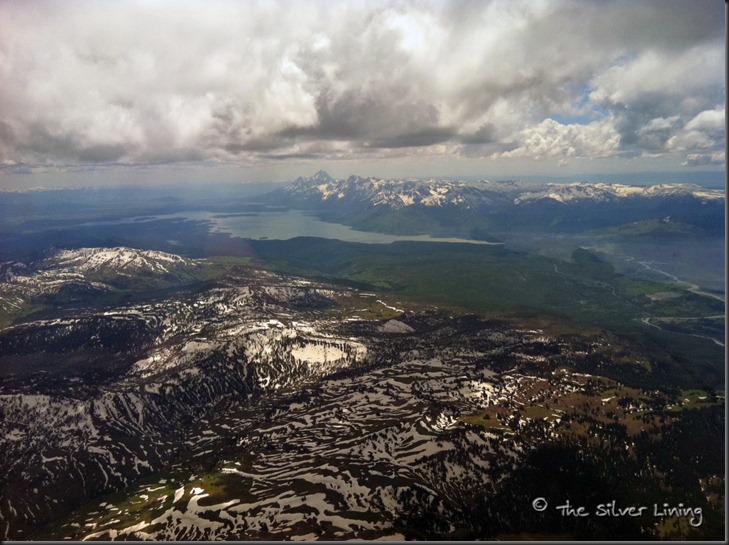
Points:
[(322, 177)]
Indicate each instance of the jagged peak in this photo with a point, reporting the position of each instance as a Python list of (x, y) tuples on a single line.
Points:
[(322, 176)]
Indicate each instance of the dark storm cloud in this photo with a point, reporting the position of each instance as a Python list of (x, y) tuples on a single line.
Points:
[(486, 134), (285, 156), (101, 153), (137, 82), (426, 137)]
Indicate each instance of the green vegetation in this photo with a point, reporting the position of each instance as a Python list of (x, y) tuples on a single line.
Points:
[(653, 227), (446, 221), (494, 281), (611, 443), (146, 501), (378, 311), (698, 399), (587, 264), (485, 421), (222, 264), (9, 318)]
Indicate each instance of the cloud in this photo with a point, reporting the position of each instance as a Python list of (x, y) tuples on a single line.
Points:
[(660, 73), (654, 134), (700, 159), (244, 82), (653, 94), (709, 121), (658, 124), (425, 137), (551, 139), (705, 133)]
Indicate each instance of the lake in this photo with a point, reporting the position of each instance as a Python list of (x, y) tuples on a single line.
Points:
[(287, 224)]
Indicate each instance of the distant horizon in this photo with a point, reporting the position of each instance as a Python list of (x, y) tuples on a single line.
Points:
[(708, 180)]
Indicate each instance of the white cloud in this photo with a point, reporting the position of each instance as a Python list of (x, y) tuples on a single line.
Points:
[(653, 92), (87, 82), (703, 132), (660, 72), (700, 159), (659, 124), (551, 139), (710, 121)]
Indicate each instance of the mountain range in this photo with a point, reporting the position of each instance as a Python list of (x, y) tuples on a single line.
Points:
[(484, 210), (396, 194)]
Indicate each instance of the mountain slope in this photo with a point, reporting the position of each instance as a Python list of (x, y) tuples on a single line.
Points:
[(72, 275), (93, 402), (113, 265)]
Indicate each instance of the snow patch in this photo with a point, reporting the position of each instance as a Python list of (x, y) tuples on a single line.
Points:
[(395, 326)]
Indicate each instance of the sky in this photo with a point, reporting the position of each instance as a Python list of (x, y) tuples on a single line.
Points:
[(98, 92)]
